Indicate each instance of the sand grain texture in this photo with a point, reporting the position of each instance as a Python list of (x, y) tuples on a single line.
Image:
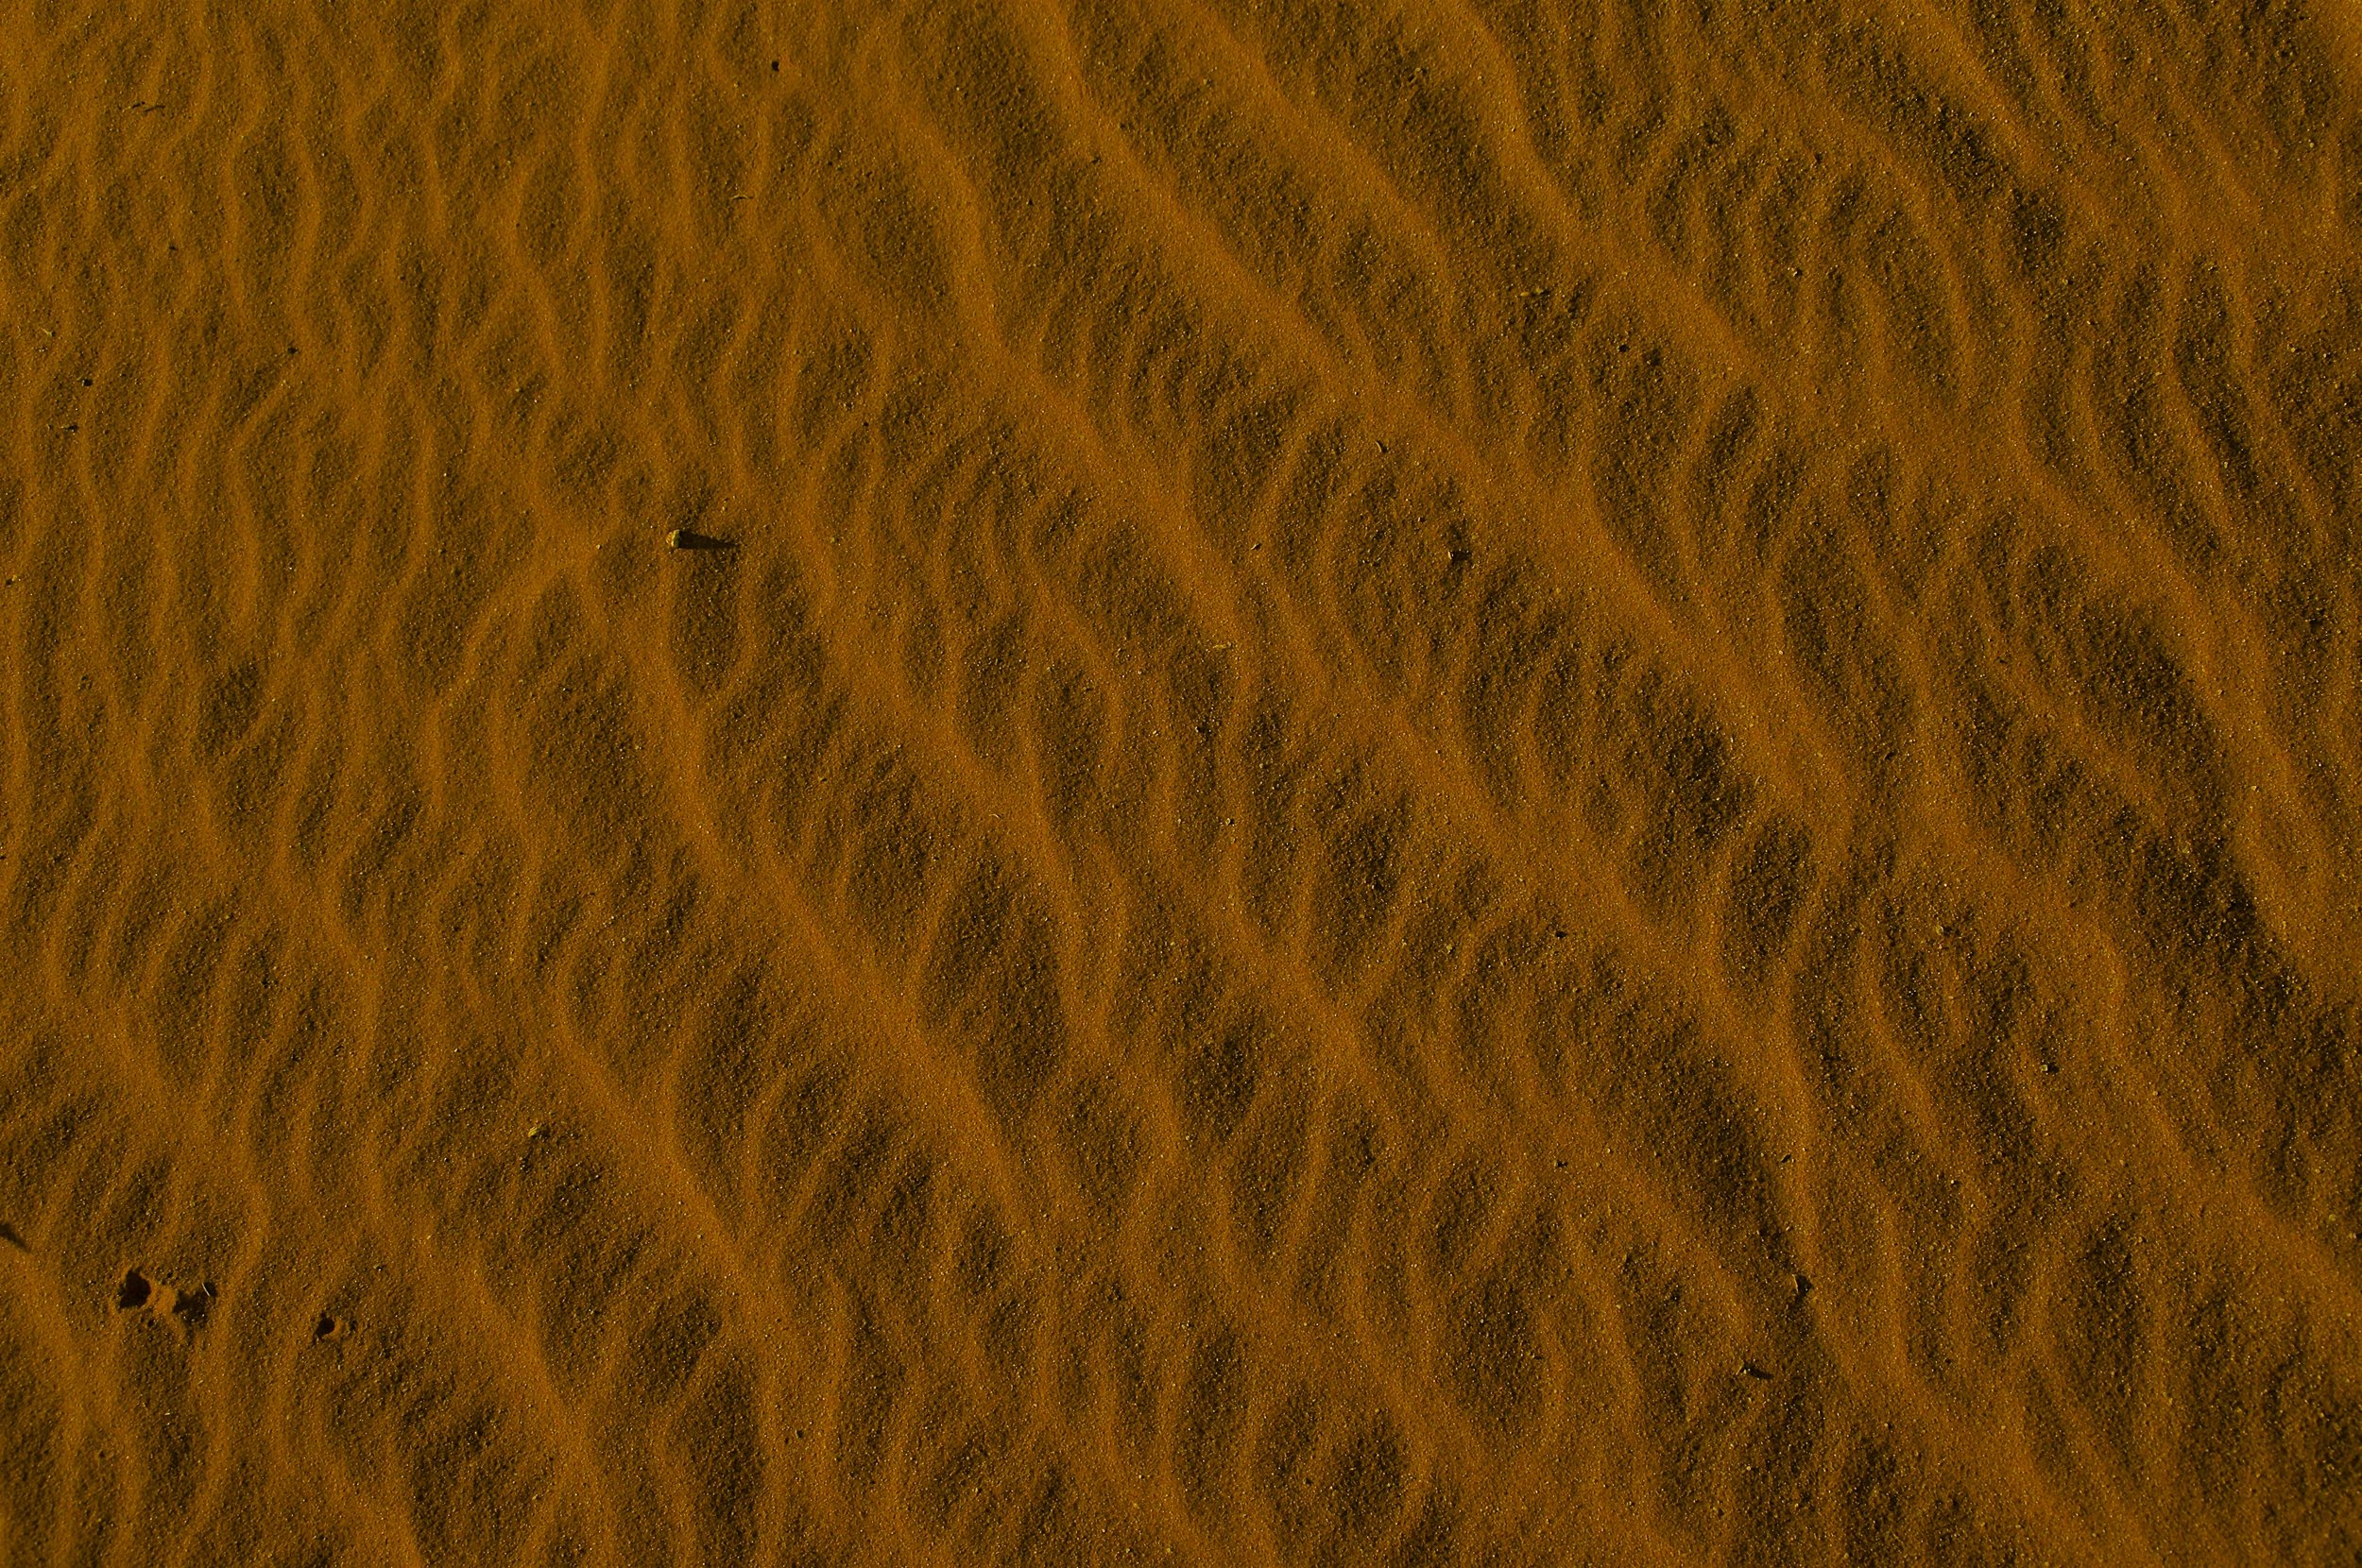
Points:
[(1183, 781)]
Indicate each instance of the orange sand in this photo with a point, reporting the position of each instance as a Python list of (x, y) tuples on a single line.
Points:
[(1498, 783)]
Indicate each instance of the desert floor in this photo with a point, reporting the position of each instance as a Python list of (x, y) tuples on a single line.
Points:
[(1461, 782)]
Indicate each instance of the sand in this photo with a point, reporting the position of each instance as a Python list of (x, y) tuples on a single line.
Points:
[(1197, 781)]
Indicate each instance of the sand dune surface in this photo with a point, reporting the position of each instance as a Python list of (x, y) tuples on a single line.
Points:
[(1411, 782)]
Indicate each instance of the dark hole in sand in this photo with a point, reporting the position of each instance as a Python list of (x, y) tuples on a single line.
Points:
[(133, 1292), (194, 1306)]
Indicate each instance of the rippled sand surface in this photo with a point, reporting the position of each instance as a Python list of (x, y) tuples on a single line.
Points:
[(1201, 781)]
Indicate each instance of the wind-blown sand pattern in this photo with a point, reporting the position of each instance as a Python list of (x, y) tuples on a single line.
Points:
[(1479, 783)]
